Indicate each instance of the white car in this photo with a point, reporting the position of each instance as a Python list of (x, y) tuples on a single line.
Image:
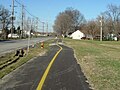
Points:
[(13, 36)]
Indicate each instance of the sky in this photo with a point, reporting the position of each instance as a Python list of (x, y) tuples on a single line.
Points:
[(47, 10)]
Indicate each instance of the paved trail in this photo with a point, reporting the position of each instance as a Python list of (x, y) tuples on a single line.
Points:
[(64, 73)]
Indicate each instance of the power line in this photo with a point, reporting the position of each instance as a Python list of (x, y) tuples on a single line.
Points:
[(28, 11), (18, 3), (32, 14), (25, 9)]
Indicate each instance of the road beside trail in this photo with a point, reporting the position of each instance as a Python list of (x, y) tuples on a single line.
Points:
[(64, 74), (28, 75), (11, 45)]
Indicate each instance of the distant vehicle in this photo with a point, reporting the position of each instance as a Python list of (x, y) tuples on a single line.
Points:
[(13, 36)]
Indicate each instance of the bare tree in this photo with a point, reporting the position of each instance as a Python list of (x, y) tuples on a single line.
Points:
[(5, 20), (113, 18), (76, 17), (91, 29), (62, 23), (68, 21)]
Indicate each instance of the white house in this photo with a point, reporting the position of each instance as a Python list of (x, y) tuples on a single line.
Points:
[(77, 35)]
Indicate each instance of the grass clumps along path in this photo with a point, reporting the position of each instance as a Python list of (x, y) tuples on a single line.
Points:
[(100, 62)]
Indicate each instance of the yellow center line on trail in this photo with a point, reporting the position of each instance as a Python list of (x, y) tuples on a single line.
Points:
[(47, 70)]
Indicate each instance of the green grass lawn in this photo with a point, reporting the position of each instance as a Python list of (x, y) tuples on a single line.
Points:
[(100, 62)]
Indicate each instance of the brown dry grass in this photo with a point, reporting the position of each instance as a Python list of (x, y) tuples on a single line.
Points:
[(100, 62), (34, 52)]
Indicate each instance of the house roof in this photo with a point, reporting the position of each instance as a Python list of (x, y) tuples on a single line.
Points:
[(77, 32), (77, 35)]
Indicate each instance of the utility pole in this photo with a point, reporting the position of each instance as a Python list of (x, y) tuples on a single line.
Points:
[(43, 27), (12, 17), (36, 25), (22, 21), (47, 28), (28, 48), (101, 28)]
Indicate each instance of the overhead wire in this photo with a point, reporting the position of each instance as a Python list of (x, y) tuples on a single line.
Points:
[(27, 10)]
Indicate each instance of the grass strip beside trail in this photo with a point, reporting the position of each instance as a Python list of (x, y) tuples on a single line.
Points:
[(34, 52), (100, 62)]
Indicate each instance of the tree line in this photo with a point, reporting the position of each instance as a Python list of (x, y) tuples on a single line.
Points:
[(6, 27), (71, 20), (4, 21), (68, 21)]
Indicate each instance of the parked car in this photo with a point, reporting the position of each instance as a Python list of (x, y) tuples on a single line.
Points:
[(13, 36)]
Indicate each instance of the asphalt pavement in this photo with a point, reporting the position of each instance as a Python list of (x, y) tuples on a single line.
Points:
[(11, 45), (64, 74)]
